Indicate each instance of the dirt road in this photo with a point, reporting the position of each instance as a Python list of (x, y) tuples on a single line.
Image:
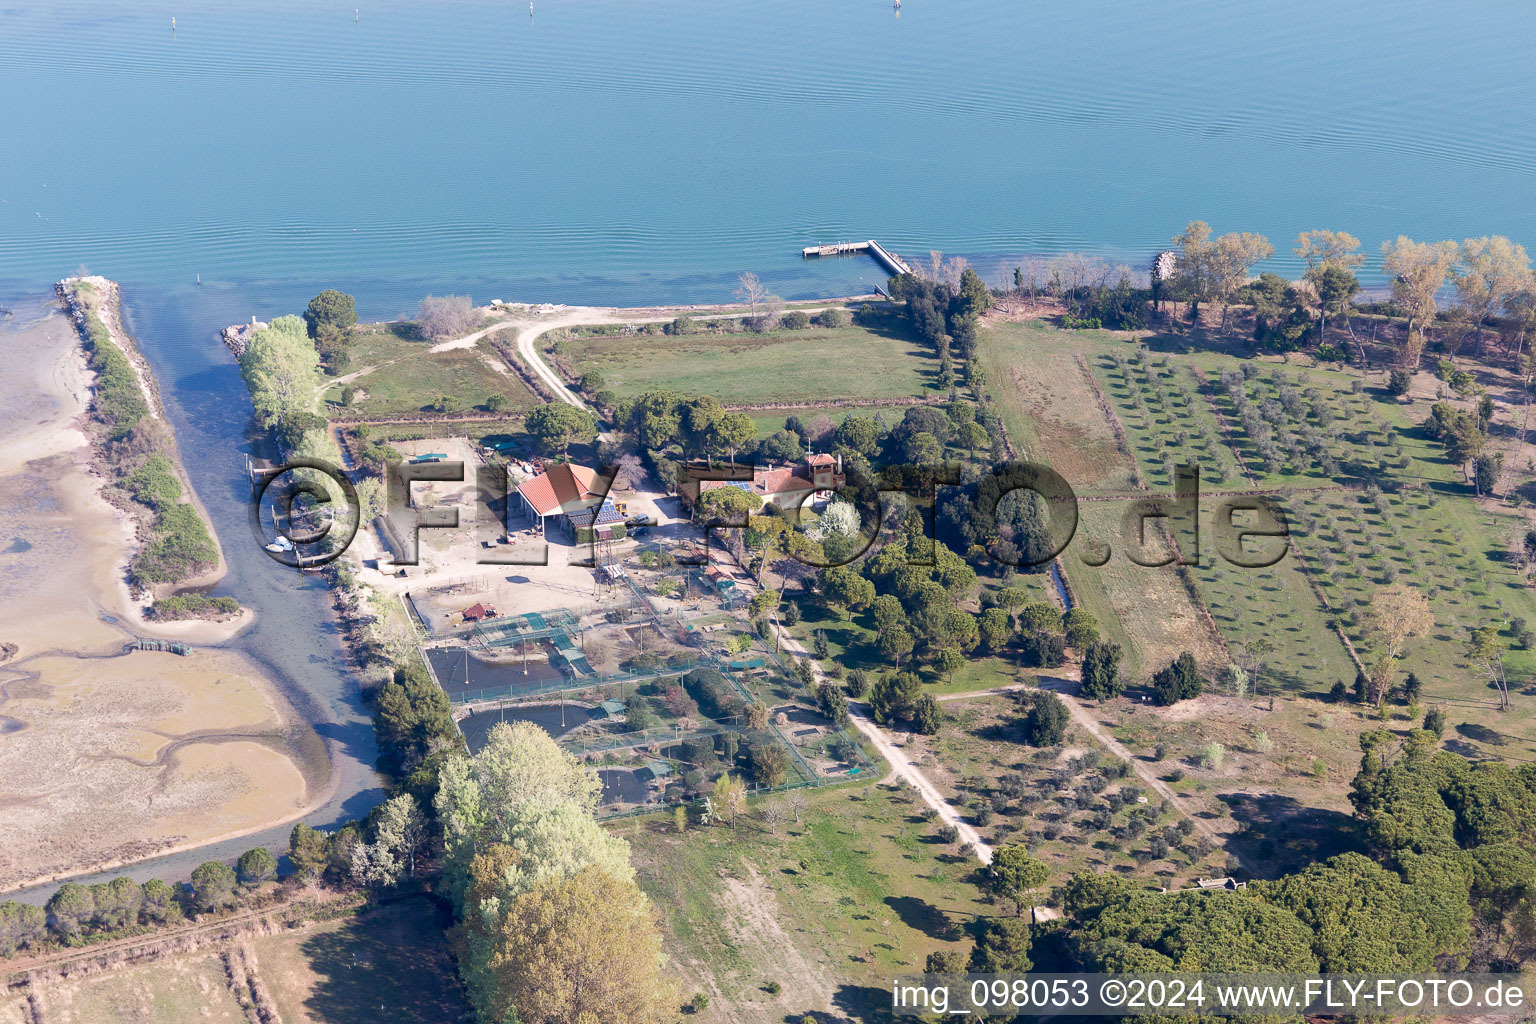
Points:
[(901, 764)]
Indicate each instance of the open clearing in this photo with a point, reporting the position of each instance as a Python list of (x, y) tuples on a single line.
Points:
[(778, 366), (388, 964), (182, 990), (1048, 405), (828, 907), (397, 375)]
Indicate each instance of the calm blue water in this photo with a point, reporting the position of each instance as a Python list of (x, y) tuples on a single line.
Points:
[(640, 151), (647, 151)]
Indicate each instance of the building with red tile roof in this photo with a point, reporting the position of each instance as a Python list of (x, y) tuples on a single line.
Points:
[(563, 492), (784, 486)]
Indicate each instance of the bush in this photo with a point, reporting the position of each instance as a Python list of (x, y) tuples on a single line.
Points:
[(155, 483), (118, 401), (713, 692), (949, 834), (1045, 724), (1180, 680), (1398, 382), (1043, 650), (180, 547), (834, 317), (193, 606), (795, 320)]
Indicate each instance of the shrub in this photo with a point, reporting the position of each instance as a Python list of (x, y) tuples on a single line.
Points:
[(834, 317), (795, 320), (192, 606)]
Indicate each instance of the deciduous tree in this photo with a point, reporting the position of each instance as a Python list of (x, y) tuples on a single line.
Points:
[(1488, 274), (1417, 270), (1231, 260), (445, 316), (556, 959), (1396, 615)]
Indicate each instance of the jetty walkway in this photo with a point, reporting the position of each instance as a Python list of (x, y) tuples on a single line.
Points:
[(883, 256)]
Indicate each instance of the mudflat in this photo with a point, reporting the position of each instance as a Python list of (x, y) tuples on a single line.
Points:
[(108, 754)]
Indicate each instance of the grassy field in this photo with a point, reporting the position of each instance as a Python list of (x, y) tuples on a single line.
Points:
[(1146, 609), (182, 990), (769, 421), (390, 964), (398, 376), (827, 907), (778, 366), (1047, 403)]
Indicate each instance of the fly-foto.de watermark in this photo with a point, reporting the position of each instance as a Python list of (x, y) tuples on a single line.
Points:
[(313, 522), (1260, 994)]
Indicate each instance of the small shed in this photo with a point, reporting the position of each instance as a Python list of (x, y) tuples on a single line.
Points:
[(478, 611), (611, 708), (655, 770)]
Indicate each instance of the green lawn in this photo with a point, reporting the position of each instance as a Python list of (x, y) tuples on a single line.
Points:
[(860, 888), (779, 366), (406, 378)]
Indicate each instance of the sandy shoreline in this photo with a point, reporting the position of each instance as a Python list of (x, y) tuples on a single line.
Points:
[(112, 756), (134, 608)]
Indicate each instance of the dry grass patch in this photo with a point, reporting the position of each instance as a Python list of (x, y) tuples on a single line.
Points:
[(389, 964), (169, 991)]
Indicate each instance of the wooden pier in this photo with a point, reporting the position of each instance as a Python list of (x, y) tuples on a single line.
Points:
[(883, 256)]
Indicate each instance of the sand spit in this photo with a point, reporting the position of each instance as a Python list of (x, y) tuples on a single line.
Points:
[(109, 755)]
